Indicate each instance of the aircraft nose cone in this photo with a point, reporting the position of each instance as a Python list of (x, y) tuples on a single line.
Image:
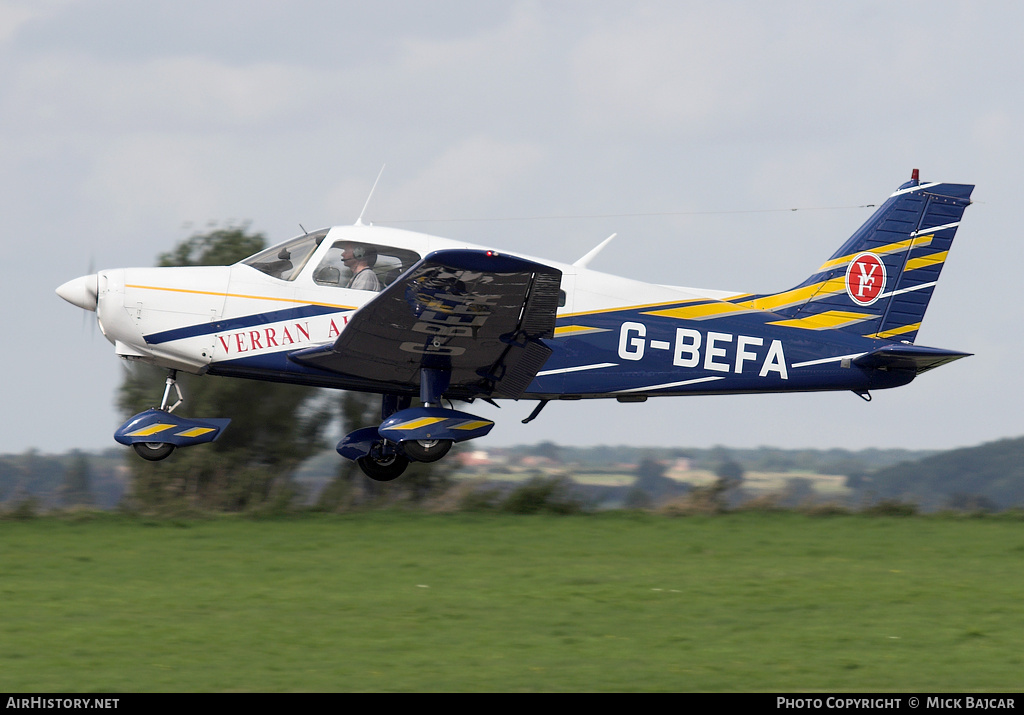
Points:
[(81, 291)]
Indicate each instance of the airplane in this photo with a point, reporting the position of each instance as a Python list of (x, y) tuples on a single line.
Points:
[(408, 315)]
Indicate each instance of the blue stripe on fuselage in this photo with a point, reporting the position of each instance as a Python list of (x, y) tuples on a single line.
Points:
[(247, 321)]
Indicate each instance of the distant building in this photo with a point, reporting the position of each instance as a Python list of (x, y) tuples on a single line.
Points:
[(478, 458)]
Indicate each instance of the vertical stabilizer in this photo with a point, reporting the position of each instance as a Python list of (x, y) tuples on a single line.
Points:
[(879, 283)]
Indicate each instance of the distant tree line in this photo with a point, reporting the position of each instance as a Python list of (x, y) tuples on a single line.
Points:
[(989, 477), (65, 480)]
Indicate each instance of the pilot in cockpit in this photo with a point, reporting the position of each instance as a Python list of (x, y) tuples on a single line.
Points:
[(360, 259)]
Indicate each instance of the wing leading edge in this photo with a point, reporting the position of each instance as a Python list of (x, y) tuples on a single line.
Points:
[(477, 315)]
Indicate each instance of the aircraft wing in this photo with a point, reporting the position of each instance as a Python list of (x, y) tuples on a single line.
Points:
[(478, 315)]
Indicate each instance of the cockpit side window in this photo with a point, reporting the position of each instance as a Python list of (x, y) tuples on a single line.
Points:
[(363, 266), (286, 260)]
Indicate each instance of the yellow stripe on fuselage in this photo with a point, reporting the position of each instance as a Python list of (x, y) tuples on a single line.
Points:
[(798, 296), (700, 312), (564, 330), (825, 321), (620, 308), (242, 295)]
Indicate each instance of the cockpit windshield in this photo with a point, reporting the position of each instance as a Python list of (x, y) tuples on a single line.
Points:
[(285, 261)]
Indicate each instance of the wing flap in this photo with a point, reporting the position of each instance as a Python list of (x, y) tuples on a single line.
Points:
[(478, 315)]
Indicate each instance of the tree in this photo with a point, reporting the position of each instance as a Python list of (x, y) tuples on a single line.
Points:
[(651, 484), (729, 476), (548, 450), (219, 247), (274, 426), (729, 472)]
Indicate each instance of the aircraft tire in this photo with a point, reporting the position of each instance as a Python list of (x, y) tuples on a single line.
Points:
[(385, 469), (426, 450), (153, 451)]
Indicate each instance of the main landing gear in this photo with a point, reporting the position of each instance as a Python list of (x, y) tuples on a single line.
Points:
[(155, 433), (426, 450), (411, 434), (383, 463), (387, 461)]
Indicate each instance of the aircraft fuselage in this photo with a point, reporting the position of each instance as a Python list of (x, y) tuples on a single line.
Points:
[(615, 337)]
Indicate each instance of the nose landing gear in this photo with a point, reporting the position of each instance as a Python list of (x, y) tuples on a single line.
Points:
[(155, 433)]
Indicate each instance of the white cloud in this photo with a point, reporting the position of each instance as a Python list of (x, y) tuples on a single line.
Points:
[(684, 74), (16, 15), (722, 70), (12, 17), (154, 181), (468, 176), (182, 93)]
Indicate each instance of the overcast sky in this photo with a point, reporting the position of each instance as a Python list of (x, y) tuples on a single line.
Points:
[(683, 126)]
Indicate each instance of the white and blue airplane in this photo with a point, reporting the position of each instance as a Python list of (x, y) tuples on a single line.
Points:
[(408, 315)]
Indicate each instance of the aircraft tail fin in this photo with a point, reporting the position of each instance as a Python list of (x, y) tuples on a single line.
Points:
[(879, 283)]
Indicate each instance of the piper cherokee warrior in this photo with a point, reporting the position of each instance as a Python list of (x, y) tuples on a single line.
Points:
[(408, 315)]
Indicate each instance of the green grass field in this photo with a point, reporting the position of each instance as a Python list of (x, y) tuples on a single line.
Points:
[(398, 602)]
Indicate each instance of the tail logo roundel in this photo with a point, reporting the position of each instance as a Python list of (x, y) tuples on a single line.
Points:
[(865, 278)]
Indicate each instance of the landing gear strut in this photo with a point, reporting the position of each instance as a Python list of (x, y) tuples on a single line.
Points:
[(156, 451), (171, 381)]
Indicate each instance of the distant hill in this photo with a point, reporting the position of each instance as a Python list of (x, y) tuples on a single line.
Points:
[(989, 476)]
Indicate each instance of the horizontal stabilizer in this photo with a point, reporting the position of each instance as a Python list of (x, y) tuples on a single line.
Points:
[(908, 357)]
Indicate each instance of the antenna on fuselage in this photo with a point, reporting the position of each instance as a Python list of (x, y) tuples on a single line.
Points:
[(359, 221), (585, 261)]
